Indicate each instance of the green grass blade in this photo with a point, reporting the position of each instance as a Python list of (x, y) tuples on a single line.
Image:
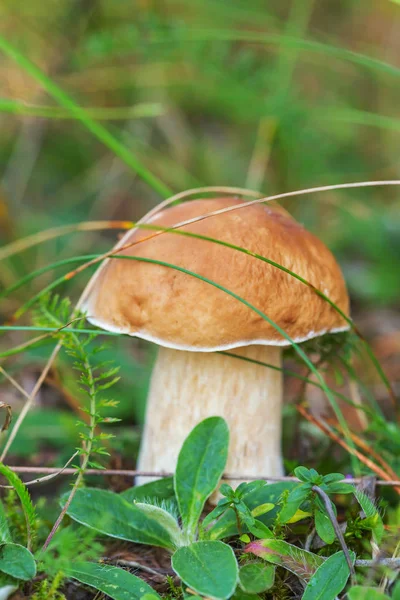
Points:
[(80, 114)]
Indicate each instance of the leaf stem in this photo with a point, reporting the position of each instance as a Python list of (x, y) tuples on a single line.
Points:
[(327, 503)]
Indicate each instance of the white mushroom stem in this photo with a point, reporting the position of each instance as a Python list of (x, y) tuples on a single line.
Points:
[(187, 387)]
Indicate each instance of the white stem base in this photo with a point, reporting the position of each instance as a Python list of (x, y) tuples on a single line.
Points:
[(187, 387)]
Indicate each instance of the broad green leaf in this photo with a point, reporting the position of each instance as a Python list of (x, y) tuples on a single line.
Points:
[(241, 595), (226, 526), (329, 579), (359, 592), (256, 577), (110, 514), (324, 526), (17, 561), (300, 562), (208, 568), (161, 489), (201, 462), (113, 581)]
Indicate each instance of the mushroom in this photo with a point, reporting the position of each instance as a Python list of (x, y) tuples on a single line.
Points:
[(193, 322)]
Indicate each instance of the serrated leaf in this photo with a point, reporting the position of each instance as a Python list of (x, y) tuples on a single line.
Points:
[(329, 579), (324, 527), (5, 535), (110, 514), (372, 512), (256, 577), (208, 568), (25, 499), (17, 561), (113, 581), (300, 562), (201, 462)]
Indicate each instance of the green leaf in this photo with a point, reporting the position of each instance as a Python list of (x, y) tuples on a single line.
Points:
[(294, 501), (226, 526), (208, 568), (5, 535), (329, 579), (219, 510), (396, 591), (262, 509), (25, 499), (110, 514), (359, 592), (260, 530), (324, 526), (161, 489), (17, 561), (201, 462), (372, 513), (113, 581), (333, 478), (256, 577), (241, 595), (340, 488), (303, 474), (300, 562)]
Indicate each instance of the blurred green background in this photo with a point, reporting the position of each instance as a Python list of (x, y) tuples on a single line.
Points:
[(265, 94)]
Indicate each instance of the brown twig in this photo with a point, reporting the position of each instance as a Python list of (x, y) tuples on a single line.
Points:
[(364, 459), (133, 473), (371, 452)]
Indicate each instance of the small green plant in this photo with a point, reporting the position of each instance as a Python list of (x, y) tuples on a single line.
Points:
[(168, 513)]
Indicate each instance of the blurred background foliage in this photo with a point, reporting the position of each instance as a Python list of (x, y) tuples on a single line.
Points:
[(266, 94)]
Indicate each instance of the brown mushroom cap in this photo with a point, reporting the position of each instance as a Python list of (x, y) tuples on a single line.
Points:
[(176, 310)]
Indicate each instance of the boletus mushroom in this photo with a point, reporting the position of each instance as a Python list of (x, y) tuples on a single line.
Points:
[(193, 322)]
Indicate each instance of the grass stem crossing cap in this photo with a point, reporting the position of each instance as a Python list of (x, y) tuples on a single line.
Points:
[(178, 311)]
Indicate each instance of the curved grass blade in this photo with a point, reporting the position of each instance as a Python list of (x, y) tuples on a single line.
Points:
[(55, 232), (137, 111), (363, 60), (174, 229), (80, 114), (296, 347)]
